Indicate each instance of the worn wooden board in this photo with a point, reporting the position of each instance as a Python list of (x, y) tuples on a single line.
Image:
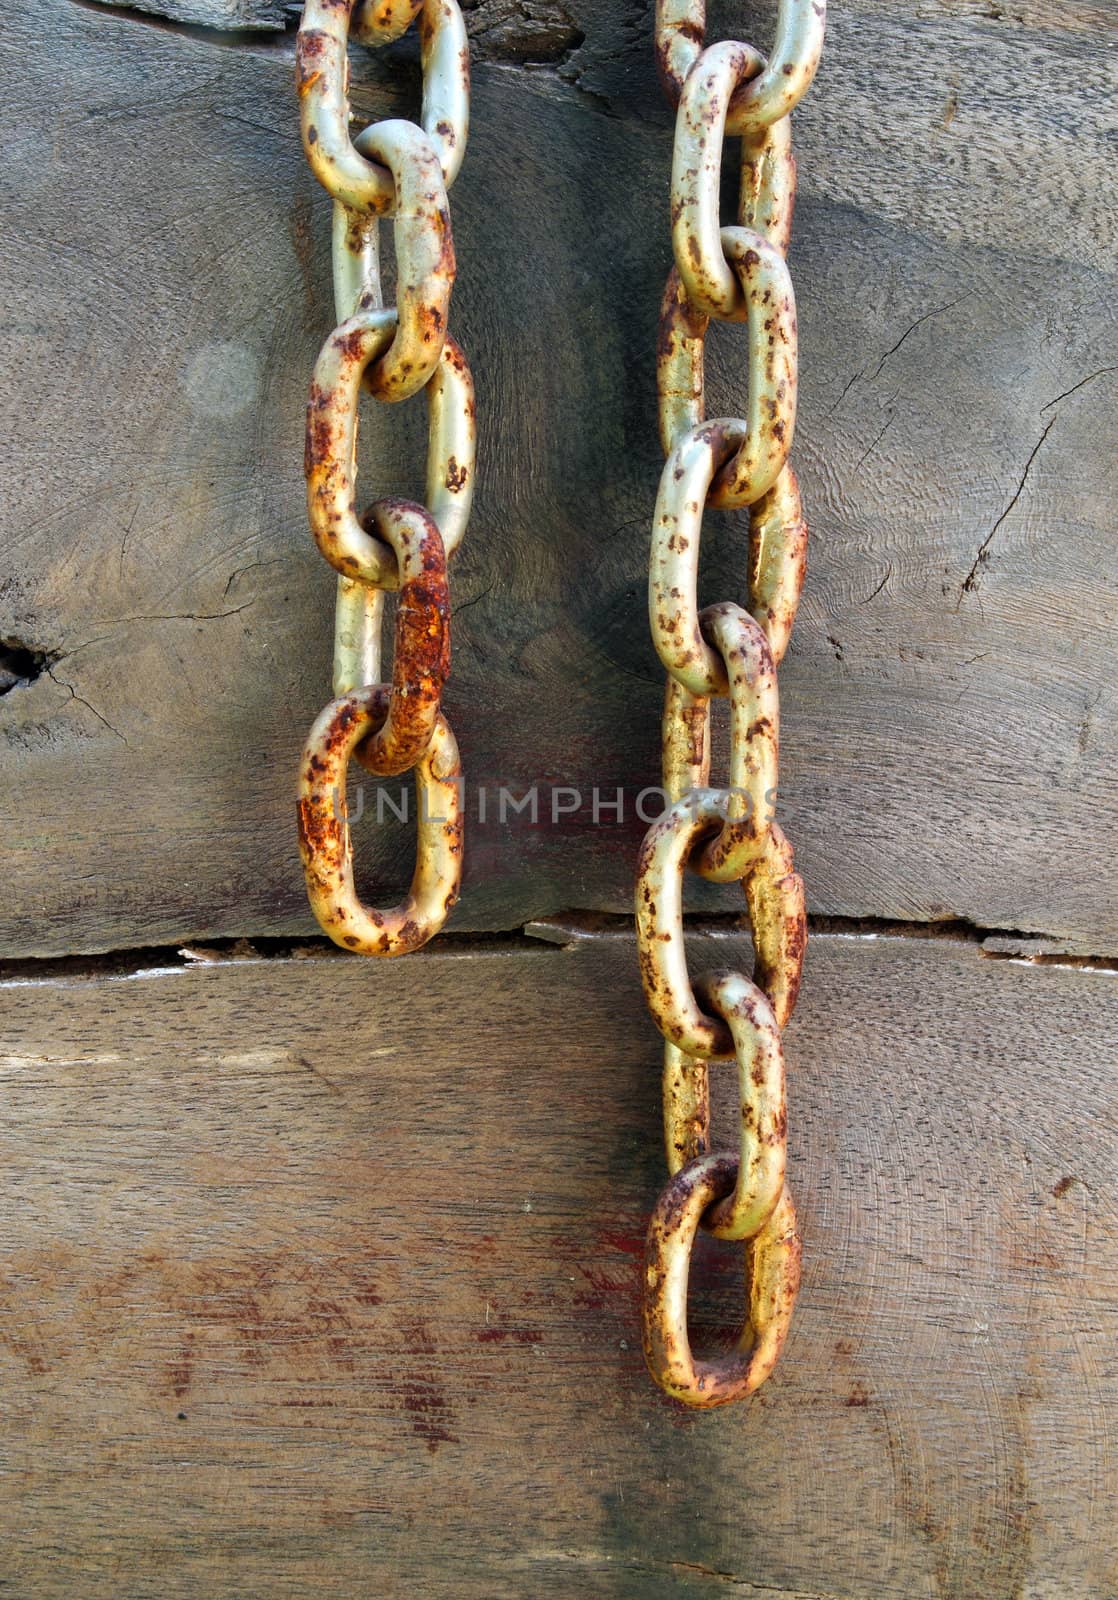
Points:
[(949, 727), (321, 1279)]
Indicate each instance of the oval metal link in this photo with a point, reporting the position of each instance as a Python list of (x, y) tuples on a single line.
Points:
[(660, 946), (697, 180), (777, 532), (421, 654), (750, 797), (324, 837), (774, 894), (425, 264), (770, 410), (788, 72), (322, 76), (686, 1085), (770, 310), (766, 203), (754, 742), (763, 1117), (773, 1275), (769, 95), (737, 274), (330, 463), (444, 53), (673, 606)]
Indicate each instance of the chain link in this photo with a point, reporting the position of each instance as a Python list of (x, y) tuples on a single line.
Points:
[(399, 171), (734, 274)]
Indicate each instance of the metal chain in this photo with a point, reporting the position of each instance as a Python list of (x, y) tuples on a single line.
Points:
[(399, 170), (735, 274)]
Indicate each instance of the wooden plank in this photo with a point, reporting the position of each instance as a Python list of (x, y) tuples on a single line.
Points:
[(949, 714), (322, 1279)]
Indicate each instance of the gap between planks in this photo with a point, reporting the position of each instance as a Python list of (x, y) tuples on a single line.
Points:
[(540, 937)]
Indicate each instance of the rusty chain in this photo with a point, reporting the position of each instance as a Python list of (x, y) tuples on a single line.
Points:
[(734, 274), (398, 170)]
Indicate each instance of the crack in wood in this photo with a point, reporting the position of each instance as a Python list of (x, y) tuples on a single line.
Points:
[(971, 581), (150, 961), (230, 23), (74, 695), (542, 936), (936, 311), (1031, 946)]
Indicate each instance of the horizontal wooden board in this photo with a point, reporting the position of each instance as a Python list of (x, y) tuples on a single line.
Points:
[(323, 1279), (949, 712)]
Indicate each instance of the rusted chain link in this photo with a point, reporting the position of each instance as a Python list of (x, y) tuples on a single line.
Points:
[(735, 274), (400, 171)]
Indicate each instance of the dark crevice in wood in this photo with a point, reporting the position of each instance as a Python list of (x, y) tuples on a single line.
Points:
[(21, 664), (749, 1590), (157, 960), (1082, 384), (542, 936), (261, 35), (992, 944), (521, 32)]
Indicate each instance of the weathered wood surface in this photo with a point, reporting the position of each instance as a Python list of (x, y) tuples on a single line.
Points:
[(949, 704), (322, 1279)]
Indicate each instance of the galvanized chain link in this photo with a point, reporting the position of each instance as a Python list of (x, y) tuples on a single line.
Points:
[(398, 170), (735, 274)]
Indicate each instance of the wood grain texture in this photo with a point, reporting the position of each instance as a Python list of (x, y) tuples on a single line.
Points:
[(948, 702), (320, 1279)]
